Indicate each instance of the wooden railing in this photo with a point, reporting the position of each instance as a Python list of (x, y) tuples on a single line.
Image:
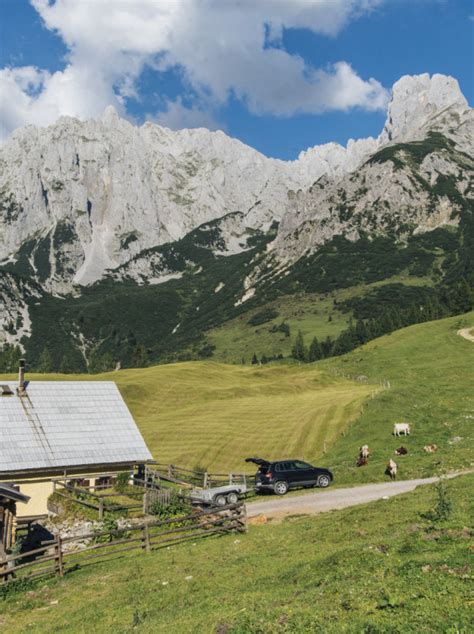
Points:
[(179, 475), (96, 501), (54, 558)]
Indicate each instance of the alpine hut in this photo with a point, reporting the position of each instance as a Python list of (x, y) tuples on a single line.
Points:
[(65, 429)]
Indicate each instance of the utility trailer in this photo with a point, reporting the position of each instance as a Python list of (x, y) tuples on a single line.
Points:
[(220, 496)]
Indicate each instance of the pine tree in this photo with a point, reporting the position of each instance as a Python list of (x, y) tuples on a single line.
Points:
[(264, 359), (362, 332), (299, 351), (68, 365), (254, 359), (315, 352), (139, 356), (326, 347), (10, 358), (45, 363)]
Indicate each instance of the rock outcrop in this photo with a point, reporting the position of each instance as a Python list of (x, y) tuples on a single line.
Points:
[(82, 199)]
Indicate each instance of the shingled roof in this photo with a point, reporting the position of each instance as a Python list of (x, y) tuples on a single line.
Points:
[(65, 424)]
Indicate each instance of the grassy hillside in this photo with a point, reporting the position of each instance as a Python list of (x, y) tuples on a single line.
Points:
[(430, 370), (390, 566), (318, 315), (216, 415)]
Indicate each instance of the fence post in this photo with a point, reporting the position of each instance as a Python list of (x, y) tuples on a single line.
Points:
[(146, 538), (242, 519), (206, 480), (145, 505), (101, 509), (59, 556)]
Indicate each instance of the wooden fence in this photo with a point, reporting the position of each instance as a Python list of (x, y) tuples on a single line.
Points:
[(54, 558), (179, 475), (98, 501)]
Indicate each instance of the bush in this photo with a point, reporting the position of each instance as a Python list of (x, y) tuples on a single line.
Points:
[(122, 481), (108, 524), (175, 507), (443, 507), (14, 586), (263, 316)]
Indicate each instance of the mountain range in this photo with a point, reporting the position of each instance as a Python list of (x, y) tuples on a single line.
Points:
[(121, 245)]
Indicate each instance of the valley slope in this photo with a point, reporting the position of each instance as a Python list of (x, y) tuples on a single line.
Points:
[(216, 415)]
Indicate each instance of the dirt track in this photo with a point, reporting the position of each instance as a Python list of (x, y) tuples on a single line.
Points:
[(466, 333), (331, 499)]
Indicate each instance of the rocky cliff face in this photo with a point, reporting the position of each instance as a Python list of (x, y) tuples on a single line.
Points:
[(15, 295), (81, 198), (193, 224), (420, 177)]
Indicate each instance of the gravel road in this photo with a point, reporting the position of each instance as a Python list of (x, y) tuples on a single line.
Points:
[(320, 501)]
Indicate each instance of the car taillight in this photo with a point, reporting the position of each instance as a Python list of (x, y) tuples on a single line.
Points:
[(268, 475)]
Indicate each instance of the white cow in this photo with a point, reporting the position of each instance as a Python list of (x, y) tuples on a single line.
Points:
[(401, 428)]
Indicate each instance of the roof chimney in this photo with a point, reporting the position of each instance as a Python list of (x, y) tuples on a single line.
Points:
[(21, 377)]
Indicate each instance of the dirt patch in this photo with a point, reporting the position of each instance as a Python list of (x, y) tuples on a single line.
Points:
[(467, 333)]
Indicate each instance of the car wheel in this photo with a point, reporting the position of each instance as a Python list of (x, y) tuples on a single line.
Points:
[(220, 500), (281, 487), (232, 498), (324, 481)]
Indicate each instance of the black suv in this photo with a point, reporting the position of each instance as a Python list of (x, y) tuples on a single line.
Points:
[(281, 475)]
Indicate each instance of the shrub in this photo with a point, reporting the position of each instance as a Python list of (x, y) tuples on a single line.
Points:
[(443, 506), (122, 481), (263, 316), (175, 507), (108, 524)]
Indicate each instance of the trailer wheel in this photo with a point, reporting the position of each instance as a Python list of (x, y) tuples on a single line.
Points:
[(232, 498), (220, 500)]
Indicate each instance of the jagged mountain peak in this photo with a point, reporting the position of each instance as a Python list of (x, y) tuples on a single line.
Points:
[(417, 101), (82, 197)]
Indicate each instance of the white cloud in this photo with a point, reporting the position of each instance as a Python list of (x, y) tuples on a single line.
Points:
[(220, 47)]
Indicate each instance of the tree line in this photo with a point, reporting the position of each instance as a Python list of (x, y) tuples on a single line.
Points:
[(458, 299)]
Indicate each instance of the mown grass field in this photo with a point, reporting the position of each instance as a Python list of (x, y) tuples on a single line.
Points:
[(216, 415), (389, 566)]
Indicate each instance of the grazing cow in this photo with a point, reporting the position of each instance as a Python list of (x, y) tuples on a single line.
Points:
[(430, 448), (401, 428), (364, 454), (391, 469), (401, 451)]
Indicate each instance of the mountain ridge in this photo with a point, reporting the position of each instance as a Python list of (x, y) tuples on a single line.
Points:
[(119, 189), (201, 230)]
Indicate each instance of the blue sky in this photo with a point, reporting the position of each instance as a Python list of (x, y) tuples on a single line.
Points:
[(281, 75)]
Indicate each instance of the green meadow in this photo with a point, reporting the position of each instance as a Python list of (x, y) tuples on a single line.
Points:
[(392, 566), (216, 415)]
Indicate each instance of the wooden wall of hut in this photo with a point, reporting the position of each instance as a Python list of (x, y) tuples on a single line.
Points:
[(7, 524)]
